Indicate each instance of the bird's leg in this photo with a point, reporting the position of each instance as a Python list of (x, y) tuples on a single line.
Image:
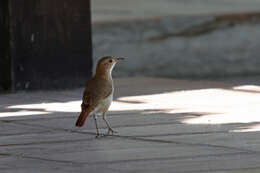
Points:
[(95, 119), (108, 126)]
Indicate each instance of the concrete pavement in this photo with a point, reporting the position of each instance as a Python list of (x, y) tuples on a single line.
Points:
[(164, 125)]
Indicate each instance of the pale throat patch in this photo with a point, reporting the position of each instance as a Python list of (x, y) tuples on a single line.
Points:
[(110, 72)]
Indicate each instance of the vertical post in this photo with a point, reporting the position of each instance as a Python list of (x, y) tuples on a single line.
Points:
[(5, 61), (50, 43)]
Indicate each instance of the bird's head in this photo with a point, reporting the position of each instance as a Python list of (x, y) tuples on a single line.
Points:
[(106, 64)]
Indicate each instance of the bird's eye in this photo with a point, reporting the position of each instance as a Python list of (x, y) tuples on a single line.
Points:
[(110, 61)]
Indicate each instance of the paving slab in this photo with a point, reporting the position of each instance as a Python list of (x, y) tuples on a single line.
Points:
[(132, 150), (244, 141), (163, 125), (7, 129), (193, 165)]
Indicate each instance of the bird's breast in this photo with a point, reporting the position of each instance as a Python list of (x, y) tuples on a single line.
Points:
[(104, 104)]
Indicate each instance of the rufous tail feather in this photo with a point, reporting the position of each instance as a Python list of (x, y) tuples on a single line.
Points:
[(82, 118)]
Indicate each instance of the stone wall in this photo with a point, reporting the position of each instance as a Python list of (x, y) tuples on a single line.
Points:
[(182, 46)]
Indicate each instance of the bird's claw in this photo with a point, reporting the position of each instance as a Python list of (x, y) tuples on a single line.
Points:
[(100, 135), (112, 131), (109, 132)]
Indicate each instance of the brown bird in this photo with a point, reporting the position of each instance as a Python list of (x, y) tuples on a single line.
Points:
[(98, 94)]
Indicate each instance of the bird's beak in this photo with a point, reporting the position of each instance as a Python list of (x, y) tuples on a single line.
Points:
[(119, 59)]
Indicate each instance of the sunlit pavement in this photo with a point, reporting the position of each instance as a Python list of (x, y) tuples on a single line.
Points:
[(164, 125)]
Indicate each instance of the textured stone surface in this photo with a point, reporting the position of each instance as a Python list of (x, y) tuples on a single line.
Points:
[(114, 10), (182, 46), (164, 125), (178, 38)]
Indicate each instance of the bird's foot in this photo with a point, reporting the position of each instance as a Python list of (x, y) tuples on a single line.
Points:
[(111, 131), (100, 135)]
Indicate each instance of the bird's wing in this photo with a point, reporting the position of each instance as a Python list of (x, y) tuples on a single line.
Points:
[(95, 91)]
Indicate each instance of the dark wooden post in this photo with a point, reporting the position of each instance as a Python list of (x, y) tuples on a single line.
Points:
[(50, 45), (5, 60)]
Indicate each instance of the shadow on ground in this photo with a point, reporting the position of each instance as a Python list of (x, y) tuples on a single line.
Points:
[(160, 121), (213, 102)]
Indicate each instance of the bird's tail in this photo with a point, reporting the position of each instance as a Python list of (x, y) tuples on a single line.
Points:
[(82, 118)]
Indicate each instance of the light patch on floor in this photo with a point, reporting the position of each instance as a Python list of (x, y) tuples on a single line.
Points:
[(21, 113), (239, 104)]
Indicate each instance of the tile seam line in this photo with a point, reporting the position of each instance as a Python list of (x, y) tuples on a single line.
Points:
[(126, 161), (217, 170), (171, 158), (75, 131), (187, 144), (156, 140)]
